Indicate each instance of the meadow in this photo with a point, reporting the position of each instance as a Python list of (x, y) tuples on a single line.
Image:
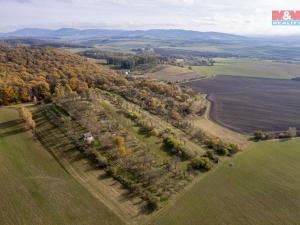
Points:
[(259, 186), (35, 189), (171, 73), (250, 67), (248, 104)]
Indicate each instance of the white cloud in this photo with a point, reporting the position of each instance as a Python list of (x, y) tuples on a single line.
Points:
[(18, 1), (242, 17), (177, 2)]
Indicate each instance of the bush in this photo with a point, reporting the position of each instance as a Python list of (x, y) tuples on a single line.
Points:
[(219, 147), (175, 147), (153, 203), (102, 161), (122, 176), (233, 149), (260, 135), (133, 115), (146, 127), (155, 132), (222, 150), (211, 142), (186, 153), (212, 156), (171, 143), (201, 163)]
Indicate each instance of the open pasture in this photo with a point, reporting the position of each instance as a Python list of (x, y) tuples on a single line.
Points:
[(250, 67), (171, 73), (260, 186)]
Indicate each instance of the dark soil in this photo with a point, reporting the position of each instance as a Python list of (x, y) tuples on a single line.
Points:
[(248, 104)]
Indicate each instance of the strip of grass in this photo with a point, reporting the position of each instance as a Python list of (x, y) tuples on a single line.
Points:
[(249, 67), (260, 186), (34, 187)]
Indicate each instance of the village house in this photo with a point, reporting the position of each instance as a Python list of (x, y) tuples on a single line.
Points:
[(88, 137)]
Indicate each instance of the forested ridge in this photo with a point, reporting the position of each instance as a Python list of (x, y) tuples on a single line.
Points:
[(29, 74), (36, 72)]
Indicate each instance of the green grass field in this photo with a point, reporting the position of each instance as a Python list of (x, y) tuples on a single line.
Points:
[(262, 187), (35, 189), (171, 73), (249, 67)]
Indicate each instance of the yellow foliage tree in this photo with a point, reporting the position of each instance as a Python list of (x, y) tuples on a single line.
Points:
[(122, 150), (27, 118)]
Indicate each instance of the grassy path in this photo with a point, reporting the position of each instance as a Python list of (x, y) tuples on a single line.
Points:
[(217, 130), (35, 190)]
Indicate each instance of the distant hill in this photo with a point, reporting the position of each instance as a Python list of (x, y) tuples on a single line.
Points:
[(90, 33)]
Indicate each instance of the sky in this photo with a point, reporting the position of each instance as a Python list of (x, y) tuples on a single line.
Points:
[(246, 17)]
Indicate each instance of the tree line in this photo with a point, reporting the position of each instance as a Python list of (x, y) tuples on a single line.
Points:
[(124, 61)]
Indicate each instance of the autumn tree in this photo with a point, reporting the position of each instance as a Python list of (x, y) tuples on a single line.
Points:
[(120, 142), (7, 95), (292, 132), (26, 116)]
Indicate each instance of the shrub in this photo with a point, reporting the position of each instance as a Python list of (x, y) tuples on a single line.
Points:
[(155, 132), (171, 143), (201, 163), (153, 203), (186, 153), (221, 148), (210, 142), (111, 171), (260, 135), (212, 156), (133, 115), (102, 161), (91, 154), (174, 146), (146, 127), (233, 149)]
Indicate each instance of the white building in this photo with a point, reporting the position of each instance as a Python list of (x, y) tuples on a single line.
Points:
[(88, 137)]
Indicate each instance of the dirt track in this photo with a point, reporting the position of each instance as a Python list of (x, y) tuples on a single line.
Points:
[(205, 123)]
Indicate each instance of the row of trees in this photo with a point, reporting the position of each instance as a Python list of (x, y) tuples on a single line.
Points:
[(124, 61), (262, 135)]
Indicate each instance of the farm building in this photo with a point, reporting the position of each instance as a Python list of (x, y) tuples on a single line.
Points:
[(88, 137)]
